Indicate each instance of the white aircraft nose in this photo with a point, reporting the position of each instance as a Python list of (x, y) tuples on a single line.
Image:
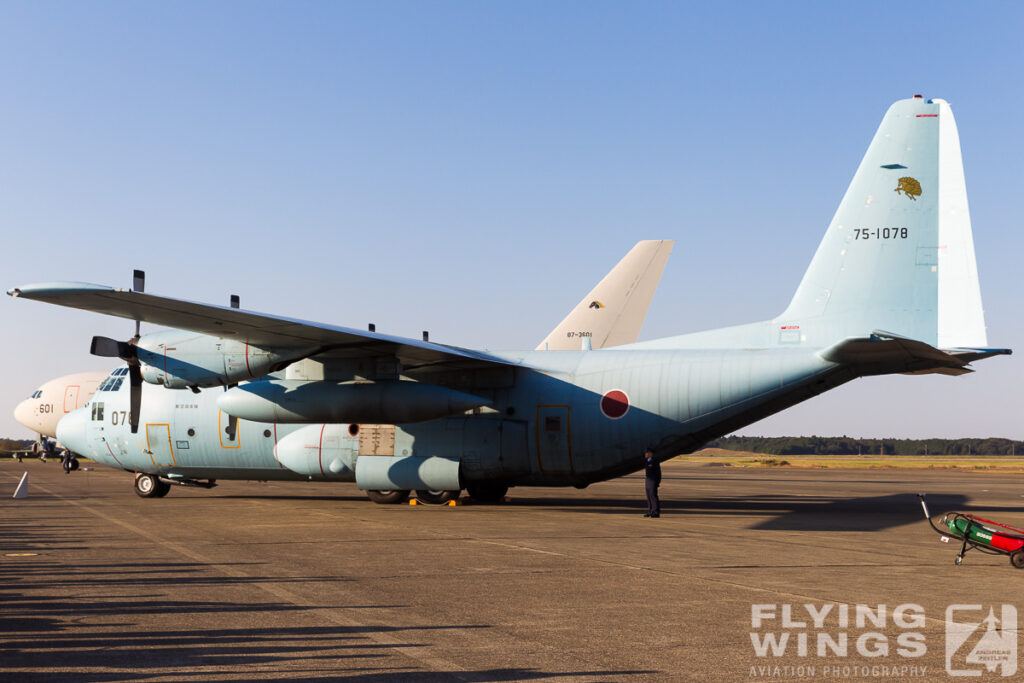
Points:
[(24, 415), (71, 431)]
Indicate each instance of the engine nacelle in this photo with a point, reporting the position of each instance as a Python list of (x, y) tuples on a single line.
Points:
[(179, 359)]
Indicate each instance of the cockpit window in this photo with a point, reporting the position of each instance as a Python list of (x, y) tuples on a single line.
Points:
[(37, 393), (114, 381)]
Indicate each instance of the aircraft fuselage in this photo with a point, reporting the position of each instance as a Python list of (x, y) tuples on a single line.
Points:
[(556, 418)]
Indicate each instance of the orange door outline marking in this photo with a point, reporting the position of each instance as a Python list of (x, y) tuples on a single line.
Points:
[(238, 435), (170, 448)]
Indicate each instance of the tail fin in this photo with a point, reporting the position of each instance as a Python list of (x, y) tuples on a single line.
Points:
[(899, 254), (614, 311)]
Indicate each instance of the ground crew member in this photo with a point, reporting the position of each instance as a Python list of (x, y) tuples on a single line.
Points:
[(652, 479)]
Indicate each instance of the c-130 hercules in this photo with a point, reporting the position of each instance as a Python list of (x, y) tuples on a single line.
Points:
[(892, 288)]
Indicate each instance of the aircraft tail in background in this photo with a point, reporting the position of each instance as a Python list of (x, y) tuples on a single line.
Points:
[(614, 310)]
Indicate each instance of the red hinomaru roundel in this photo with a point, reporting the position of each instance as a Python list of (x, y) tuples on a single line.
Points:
[(615, 404)]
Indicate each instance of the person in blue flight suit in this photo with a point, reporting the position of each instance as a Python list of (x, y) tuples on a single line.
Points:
[(652, 479)]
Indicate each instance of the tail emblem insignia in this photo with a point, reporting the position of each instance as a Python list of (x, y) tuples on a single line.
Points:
[(909, 187), (598, 304)]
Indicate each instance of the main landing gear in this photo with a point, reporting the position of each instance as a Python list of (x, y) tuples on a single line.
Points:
[(487, 493), (436, 497), (425, 497), (388, 497), (480, 493)]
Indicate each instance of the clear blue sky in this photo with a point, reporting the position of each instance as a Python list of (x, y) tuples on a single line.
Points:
[(473, 168)]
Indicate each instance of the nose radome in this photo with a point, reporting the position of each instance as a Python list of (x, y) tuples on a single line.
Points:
[(71, 431), (24, 415)]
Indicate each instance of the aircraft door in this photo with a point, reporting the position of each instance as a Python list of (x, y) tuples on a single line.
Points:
[(158, 443), (554, 439), (70, 397), (227, 428)]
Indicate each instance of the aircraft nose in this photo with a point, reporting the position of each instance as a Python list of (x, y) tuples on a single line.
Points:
[(23, 414), (71, 431)]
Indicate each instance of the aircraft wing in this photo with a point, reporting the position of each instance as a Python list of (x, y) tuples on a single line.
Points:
[(258, 329)]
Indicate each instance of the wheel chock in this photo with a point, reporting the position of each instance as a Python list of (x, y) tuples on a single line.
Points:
[(453, 503), (413, 501)]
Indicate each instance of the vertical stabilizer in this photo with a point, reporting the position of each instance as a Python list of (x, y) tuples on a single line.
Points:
[(898, 254), (614, 311)]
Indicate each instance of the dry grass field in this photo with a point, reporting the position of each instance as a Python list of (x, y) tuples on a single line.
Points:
[(977, 463)]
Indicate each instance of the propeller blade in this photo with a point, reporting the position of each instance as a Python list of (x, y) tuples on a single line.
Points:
[(135, 382), (106, 347), (138, 285)]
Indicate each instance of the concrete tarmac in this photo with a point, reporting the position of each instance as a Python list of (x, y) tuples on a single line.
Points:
[(305, 581)]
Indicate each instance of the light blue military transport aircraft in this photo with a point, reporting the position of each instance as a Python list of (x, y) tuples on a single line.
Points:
[(892, 288)]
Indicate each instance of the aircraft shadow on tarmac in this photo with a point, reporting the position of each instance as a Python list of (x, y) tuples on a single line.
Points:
[(792, 513), (55, 620), (43, 642)]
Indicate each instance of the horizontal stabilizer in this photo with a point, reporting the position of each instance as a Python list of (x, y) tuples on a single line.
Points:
[(885, 353)]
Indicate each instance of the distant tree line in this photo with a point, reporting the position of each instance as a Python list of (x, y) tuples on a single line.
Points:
[(8, 445), (845, 445)]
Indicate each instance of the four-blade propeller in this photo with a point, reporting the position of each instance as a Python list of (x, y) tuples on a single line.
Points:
[(128, 352)]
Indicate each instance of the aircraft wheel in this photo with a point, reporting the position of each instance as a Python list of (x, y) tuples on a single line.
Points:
[(388, 497), (162, 489), (1017, 559), (74, 464), (436, 497), (487, 493), (147, 485)]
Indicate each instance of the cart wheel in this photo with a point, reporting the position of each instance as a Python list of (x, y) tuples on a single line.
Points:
[(959, 560), (1017, 559)]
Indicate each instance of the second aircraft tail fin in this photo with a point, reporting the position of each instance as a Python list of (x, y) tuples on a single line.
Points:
[(614, 311)]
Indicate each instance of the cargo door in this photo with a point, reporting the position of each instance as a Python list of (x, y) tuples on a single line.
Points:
[(554, 439), (158, 443)]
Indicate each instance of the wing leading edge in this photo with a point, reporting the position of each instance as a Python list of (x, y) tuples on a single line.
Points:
[(257, 329)]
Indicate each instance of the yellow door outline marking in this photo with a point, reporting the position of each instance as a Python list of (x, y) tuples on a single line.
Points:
[(170, 448), (220, 433)]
